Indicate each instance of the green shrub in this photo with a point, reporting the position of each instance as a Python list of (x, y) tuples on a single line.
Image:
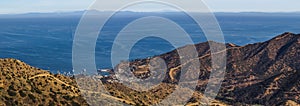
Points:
[(31, 97), (11, 93), (22, 94)]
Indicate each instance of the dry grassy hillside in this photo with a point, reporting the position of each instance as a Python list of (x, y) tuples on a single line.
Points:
[(265, 73), (21, 84)]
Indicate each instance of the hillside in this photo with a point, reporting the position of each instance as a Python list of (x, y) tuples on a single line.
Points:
[(266, 73), (21, 84)]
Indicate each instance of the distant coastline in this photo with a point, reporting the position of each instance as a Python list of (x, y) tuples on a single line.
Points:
[(66, 13)]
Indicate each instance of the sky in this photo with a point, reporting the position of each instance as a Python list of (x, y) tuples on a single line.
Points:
[(28, 6)]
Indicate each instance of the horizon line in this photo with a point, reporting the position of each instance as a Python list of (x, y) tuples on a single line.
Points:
[(163, 11)]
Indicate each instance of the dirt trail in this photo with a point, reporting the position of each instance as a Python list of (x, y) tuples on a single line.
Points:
[(62, 82), (49, 75), (109, 96), (172, 70)]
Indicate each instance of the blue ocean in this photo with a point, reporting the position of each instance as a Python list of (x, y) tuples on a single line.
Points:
[(45, 40)]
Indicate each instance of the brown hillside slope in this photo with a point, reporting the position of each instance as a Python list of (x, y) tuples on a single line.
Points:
[(266, 73), (21, 84)]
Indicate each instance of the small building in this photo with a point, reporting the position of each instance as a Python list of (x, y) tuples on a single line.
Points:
[(105, 72)]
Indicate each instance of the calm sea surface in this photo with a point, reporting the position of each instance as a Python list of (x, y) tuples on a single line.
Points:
[(46, 41)]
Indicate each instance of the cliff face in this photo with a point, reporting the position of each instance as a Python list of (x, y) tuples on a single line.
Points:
[(266, 73)]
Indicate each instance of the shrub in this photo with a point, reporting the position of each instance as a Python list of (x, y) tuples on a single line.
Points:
[(22, 94), (67, 97), (38, 91), (31, 97), (51, 103), (75, 104), (11, 93)]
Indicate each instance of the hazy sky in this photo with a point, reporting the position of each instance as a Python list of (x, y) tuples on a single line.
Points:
[(25, 6)]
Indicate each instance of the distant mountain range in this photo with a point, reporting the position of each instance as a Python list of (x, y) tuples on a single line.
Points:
[(80, 13), (265, 73)]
